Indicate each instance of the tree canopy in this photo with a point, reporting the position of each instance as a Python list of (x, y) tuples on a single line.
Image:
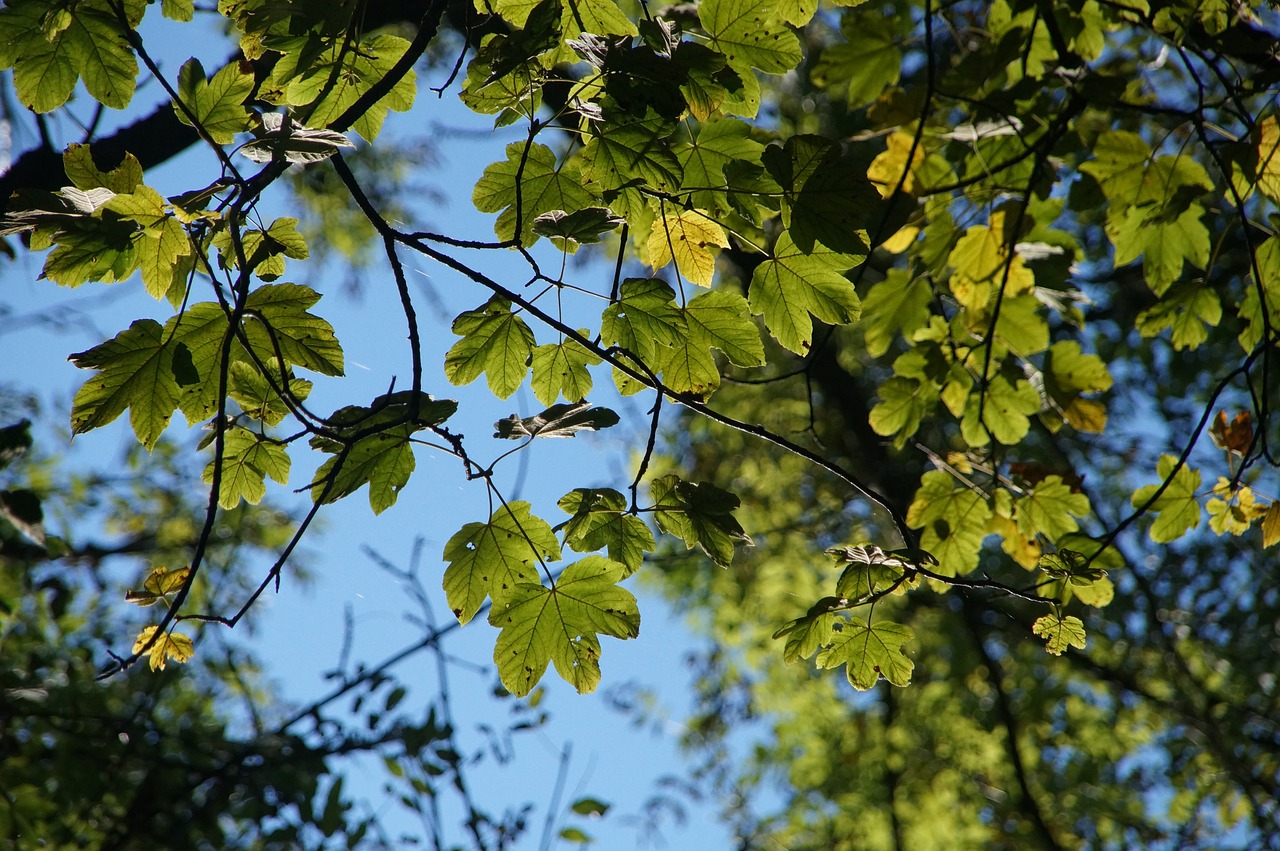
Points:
[(955, 322)]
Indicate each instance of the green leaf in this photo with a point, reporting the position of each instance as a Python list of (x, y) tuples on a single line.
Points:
[(722, 319), (1187, 307), (600, 521), (581, 227), (1050, 509), (903, 405), (542, 188), (135, 371), (806, 635), (897, 306), (589, 807), (49, 47), (700, 514), (627, 150), (702, 161), (864, 66), (494, 341), (954, 520), (1177, 507), (374, 447), (826, 197), (247, 460), (1005, 408), (561, 624), (562, 368), (253, 393), (556, 421), (643, 320), (342, 74), (870, 652), (750, 35), (492, 559), (1165, 245), (1060, 632), (794, 284), (278, 324), (215, 104)]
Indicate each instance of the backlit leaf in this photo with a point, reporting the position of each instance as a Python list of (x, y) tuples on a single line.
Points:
[(794, 285), (1060, 632), (600, 521), (690, 238), (1177, 508), (869, 652), (170, 645), (561, 624), (492, 559), (700, 514), (494, 341)]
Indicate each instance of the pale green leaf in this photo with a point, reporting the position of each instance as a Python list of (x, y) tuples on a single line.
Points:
[(869, 652)]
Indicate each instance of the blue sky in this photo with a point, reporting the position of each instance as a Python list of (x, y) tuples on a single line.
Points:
[(300, 632)]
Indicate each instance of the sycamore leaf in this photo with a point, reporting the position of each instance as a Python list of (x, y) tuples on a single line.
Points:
[(247, 460), (159, 585), (581, 227), (561, 368), (556, 421), (870, 652), (954, 519), (1271, 525), (560, 625), (897, 306), (1060, 632), (1002, 411), (863, 66), (255, 396), (375, 447), (1187, 307), (217, 104), (690, 238), (333, 81), (749, 34), (826, 197), (643, 320), (1267, 133), (1176, 506), (278, 324), (1235, 438), (722, 319), (700, 514), (806, 635), (1165, 245), (285, 139), (703, 160), (600, 521), (794, 284), (542, 188), (492, 559), (494, 341), (1050, 509), (136, 370), (903, 405), (166, 646), (1233, 508)]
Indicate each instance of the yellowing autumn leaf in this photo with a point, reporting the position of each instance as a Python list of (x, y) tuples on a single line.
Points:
[(689, 238), (159, 584), (1269, 157), (978, 262), (886, 170), (170, 645)]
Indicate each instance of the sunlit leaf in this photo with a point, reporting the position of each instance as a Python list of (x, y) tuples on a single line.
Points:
[(869, 652)]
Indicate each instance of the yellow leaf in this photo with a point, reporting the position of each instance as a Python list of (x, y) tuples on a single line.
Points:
[(1087, 415), (886, 170), (160, 583), (978, 262), (1271, 526), (1269, 157), (690, 238), (172, 645), (901, 240)]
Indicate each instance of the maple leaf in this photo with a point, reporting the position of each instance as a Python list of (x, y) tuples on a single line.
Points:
[(561, 625), (1060, 632), (170, 645), (689, 237), (869, 652)]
